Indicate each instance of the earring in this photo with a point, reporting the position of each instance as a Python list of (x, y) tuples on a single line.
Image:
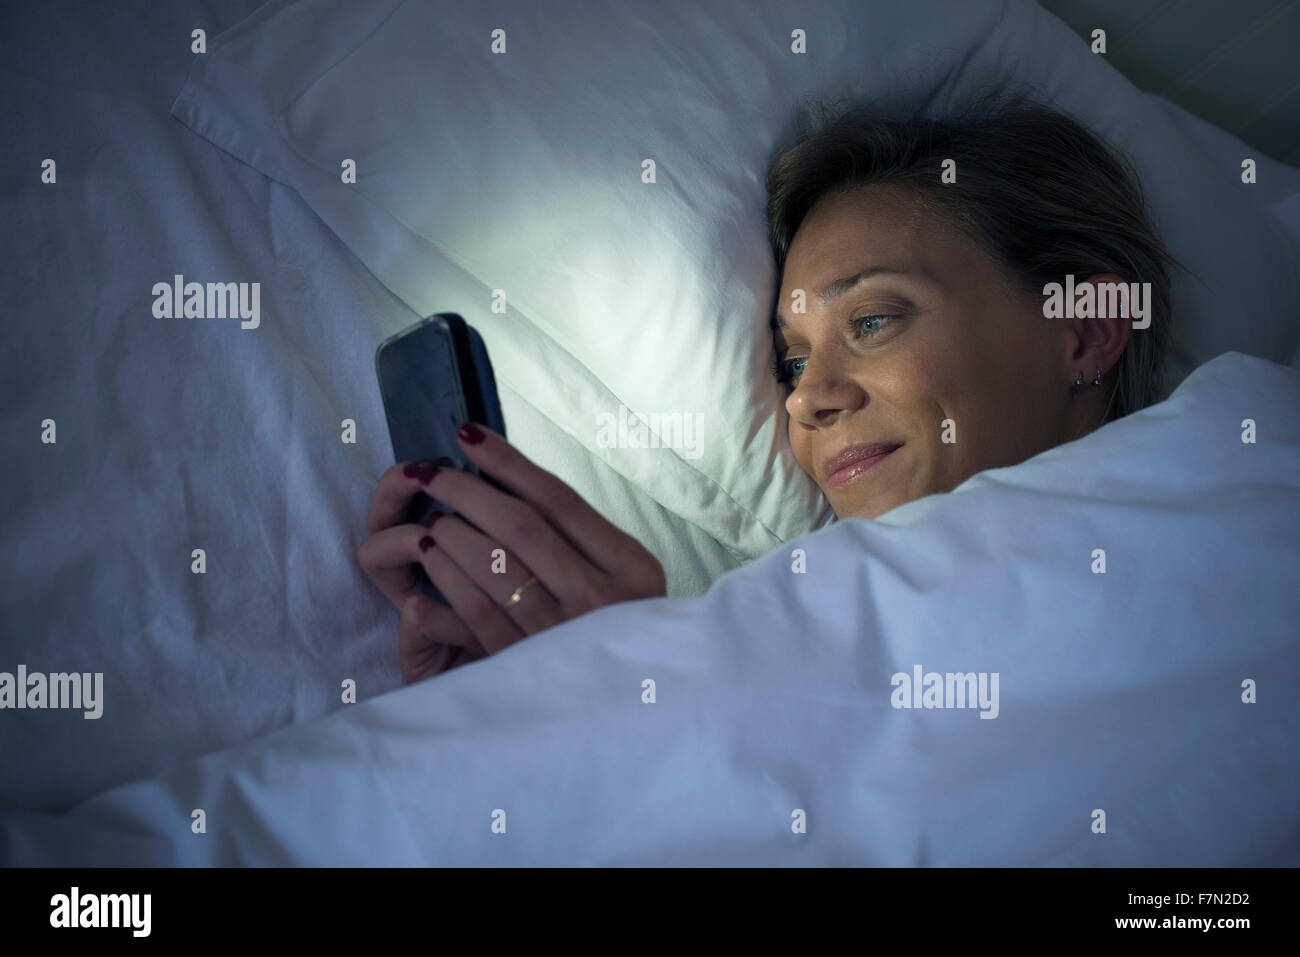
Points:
[(1097, 381), (1078, 382)]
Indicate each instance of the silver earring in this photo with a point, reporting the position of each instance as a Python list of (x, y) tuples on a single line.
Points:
[(1078, 382), (1097, 381)]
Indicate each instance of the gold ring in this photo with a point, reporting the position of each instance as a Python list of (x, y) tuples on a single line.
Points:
[(518, 593)]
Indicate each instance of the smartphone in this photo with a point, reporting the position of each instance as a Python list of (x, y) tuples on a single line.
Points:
[(433, 377)]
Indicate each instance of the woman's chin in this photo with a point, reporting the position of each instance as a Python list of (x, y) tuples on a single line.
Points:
[(847, 505), (858, 511)]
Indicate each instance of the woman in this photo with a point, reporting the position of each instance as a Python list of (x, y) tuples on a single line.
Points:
[(912, 336)]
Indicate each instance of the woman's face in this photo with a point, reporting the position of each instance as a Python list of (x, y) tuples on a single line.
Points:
[(929, 349)]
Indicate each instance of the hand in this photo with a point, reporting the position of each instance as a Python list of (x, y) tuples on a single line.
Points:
[(495, 545), (431, 638)]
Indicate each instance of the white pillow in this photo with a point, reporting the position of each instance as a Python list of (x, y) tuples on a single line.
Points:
[(522, 172)]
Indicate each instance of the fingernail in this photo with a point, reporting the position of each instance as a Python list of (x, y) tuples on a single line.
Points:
[(436, 516), (427, 471), (471, 433), (426, 543), (413, 468)]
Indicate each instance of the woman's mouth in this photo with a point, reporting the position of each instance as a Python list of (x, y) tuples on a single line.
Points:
[(854, 461)]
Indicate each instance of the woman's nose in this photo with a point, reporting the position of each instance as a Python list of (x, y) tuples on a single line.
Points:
[(823, 391)]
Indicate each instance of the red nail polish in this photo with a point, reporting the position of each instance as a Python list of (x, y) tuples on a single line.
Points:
[(471, 433), (426, 543), (412, 470), (427, 471), (436, 516)]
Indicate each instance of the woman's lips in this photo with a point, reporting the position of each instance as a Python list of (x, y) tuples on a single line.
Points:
[(851, 471)]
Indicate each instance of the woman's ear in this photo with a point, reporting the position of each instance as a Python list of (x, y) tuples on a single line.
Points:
[(1100, 332)]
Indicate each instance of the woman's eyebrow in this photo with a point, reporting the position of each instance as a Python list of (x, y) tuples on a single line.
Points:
[(838, 288)]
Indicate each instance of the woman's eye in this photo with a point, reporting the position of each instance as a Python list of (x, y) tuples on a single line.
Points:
[(787, 370), (869, 325)]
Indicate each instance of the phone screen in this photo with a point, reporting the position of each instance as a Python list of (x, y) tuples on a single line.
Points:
[(422, 394), (424, 401)]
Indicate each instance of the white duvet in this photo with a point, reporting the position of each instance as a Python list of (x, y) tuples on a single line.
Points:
[(1144, 715)]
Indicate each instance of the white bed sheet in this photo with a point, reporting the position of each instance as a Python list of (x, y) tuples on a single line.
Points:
[(175, 435), (1120, 692)]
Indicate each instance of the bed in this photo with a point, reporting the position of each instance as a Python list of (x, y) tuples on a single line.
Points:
[(770, 691)]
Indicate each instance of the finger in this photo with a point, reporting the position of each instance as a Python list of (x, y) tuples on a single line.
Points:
[(386, 559), (432, 639), (397, 486), (433, 621), (570, 577), (494, 629), (497, 572), (595, 538)]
